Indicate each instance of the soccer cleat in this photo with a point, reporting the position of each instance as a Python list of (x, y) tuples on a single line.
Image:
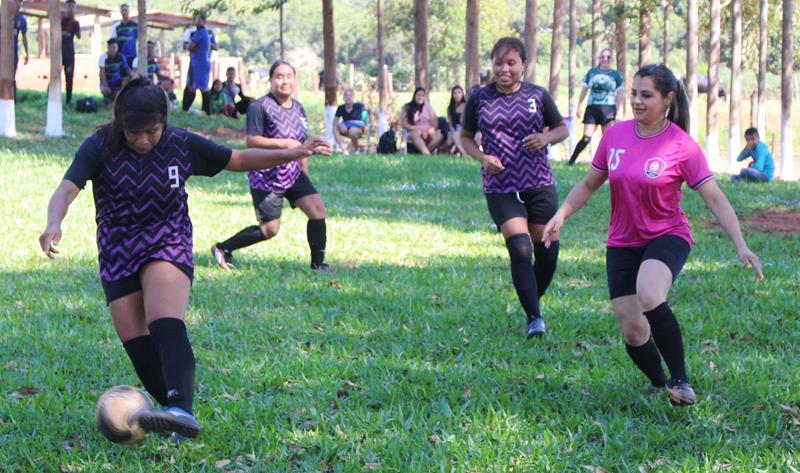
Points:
[(535, 327), (321, 267), (170, 419), (222, 257), (681, 394)]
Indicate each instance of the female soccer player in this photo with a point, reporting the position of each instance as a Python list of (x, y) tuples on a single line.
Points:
[(277, 121), (455, 109), (646, 161), (139, 166), (518, 121)]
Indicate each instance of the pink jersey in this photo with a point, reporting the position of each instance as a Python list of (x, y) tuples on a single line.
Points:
[(645, 176)]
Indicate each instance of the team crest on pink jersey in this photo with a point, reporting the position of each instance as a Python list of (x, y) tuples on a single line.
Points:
[(654, 167)]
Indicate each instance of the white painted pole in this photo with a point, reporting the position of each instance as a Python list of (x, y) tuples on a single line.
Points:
[(55, 115)]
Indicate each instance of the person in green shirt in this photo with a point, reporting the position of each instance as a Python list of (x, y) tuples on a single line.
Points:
[(606, 88), (762, 168)]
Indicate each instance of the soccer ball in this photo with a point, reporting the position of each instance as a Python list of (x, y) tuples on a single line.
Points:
[(117, 414)]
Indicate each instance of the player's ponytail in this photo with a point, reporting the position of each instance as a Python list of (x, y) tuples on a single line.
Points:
[(139, 105), (665, 82)]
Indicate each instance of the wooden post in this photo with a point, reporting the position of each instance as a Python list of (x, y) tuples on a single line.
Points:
[(530, 40), (97, 39), (712, 139), (329, 53), (555, 48), (787, 158), (761, 101), (41, 38), (421, 78), (54, 125), (8, 125), (734, 140), (472, 45), (141, 52)]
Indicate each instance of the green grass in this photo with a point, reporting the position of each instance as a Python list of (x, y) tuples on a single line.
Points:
[(411, 356)]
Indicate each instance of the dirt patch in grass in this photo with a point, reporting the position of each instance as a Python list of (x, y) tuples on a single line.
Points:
[(770, 221)]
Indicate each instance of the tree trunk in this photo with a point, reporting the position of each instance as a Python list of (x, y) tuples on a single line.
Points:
[(555, 47), (692, 52), (381, 73), (7, 120), (329, 53), (54, 126), (530, 40), (622, 49), (596, 31), (573, 77), (736, 85), (761, 105), (644, 34), (473, 59), (712, 140), (421, 43), (141, 53), (787, 158), (665, 32)]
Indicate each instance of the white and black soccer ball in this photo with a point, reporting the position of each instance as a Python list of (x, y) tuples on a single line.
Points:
[(117, 414)]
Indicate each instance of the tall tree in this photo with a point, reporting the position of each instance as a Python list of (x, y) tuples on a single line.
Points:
[(530, 40), (692, 52), (712, 140), (471, 46), (7, 119), (596, 30), (787, 158), (736, 84), (621, 39), (381, 72), (330, 76), (141, 53), (761, 106), (54, 126), (421, 43), (645, 24), (555, 47), (573, 76), (665, 32)]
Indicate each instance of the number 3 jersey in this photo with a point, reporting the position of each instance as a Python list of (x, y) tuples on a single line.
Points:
[(645, 176), (140, 200), (504, 120)]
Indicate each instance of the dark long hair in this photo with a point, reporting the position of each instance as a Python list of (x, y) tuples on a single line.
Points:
[(413, 107), (510, 43), (451, 109), (139, 105), (276, 64), (665, 82)]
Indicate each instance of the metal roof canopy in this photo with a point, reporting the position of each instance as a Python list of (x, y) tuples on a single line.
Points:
[(41, 5)]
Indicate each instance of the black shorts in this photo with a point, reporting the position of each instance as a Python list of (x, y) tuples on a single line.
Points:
[(536, 205), (269, 205), (622, 264), (599, 114), (128, 285)]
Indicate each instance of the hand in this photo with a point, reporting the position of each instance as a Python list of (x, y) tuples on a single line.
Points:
[(552, 228), (492, 164), (534, 141), (750, 259), (578, 112), (315, 146), (105, 90), (290, 143), (49, 240), (26, 60)]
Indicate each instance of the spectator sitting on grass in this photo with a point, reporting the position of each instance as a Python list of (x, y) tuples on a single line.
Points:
[(762, 167), (233, 90), (220, 103)]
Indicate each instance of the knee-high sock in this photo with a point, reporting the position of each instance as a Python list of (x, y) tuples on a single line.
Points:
[(248, 236), (69, 73), (544, 265), (188, 98), (147, 363), (522, 274), (582, 144), (205, 96), (667, 335), (177, 361), (317, 234), (648, 360)]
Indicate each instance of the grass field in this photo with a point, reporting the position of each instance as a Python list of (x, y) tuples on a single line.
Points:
[(411, 356)]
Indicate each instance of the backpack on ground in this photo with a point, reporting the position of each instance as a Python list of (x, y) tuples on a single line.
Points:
[(86, 105), (387, 144)]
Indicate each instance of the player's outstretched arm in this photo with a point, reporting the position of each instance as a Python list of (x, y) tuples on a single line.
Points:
[(56, 211), (577, 198), (252, 159), (721, 208)]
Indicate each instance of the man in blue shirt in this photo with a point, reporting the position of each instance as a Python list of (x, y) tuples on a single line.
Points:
[(126, 32), (763, 167)]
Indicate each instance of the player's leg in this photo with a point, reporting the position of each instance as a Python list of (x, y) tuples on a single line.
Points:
[(416, 138), (354, 134), (541, 204), (589, 125), (304, 196), (268, 206)]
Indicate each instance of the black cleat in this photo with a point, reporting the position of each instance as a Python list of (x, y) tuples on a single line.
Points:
[(681, 394), (170, 419), (321, 267), (535, 327), (222, 257)]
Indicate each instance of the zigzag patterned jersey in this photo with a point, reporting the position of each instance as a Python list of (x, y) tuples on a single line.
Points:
[(140, 201), (504, 120), (267, 118)]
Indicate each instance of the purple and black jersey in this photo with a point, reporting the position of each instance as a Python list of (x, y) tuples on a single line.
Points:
[(267, 118), (140, 201), (504, 120)]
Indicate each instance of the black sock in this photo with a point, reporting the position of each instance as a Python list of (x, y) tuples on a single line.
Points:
[(317, 235), (667, 335), (544, 265), (648, 360), (147, 363), (583, 143), (177, 361), (522, 274), (188, 98), (248, 236), (205, 96)]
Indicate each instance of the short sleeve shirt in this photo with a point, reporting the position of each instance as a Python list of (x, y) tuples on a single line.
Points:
[(140, 200), (69, 28), (603, 86), (126, 33), (645, 176), (504, 120), (354, 114), (115, 69), (202, 39), (267, 118)]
